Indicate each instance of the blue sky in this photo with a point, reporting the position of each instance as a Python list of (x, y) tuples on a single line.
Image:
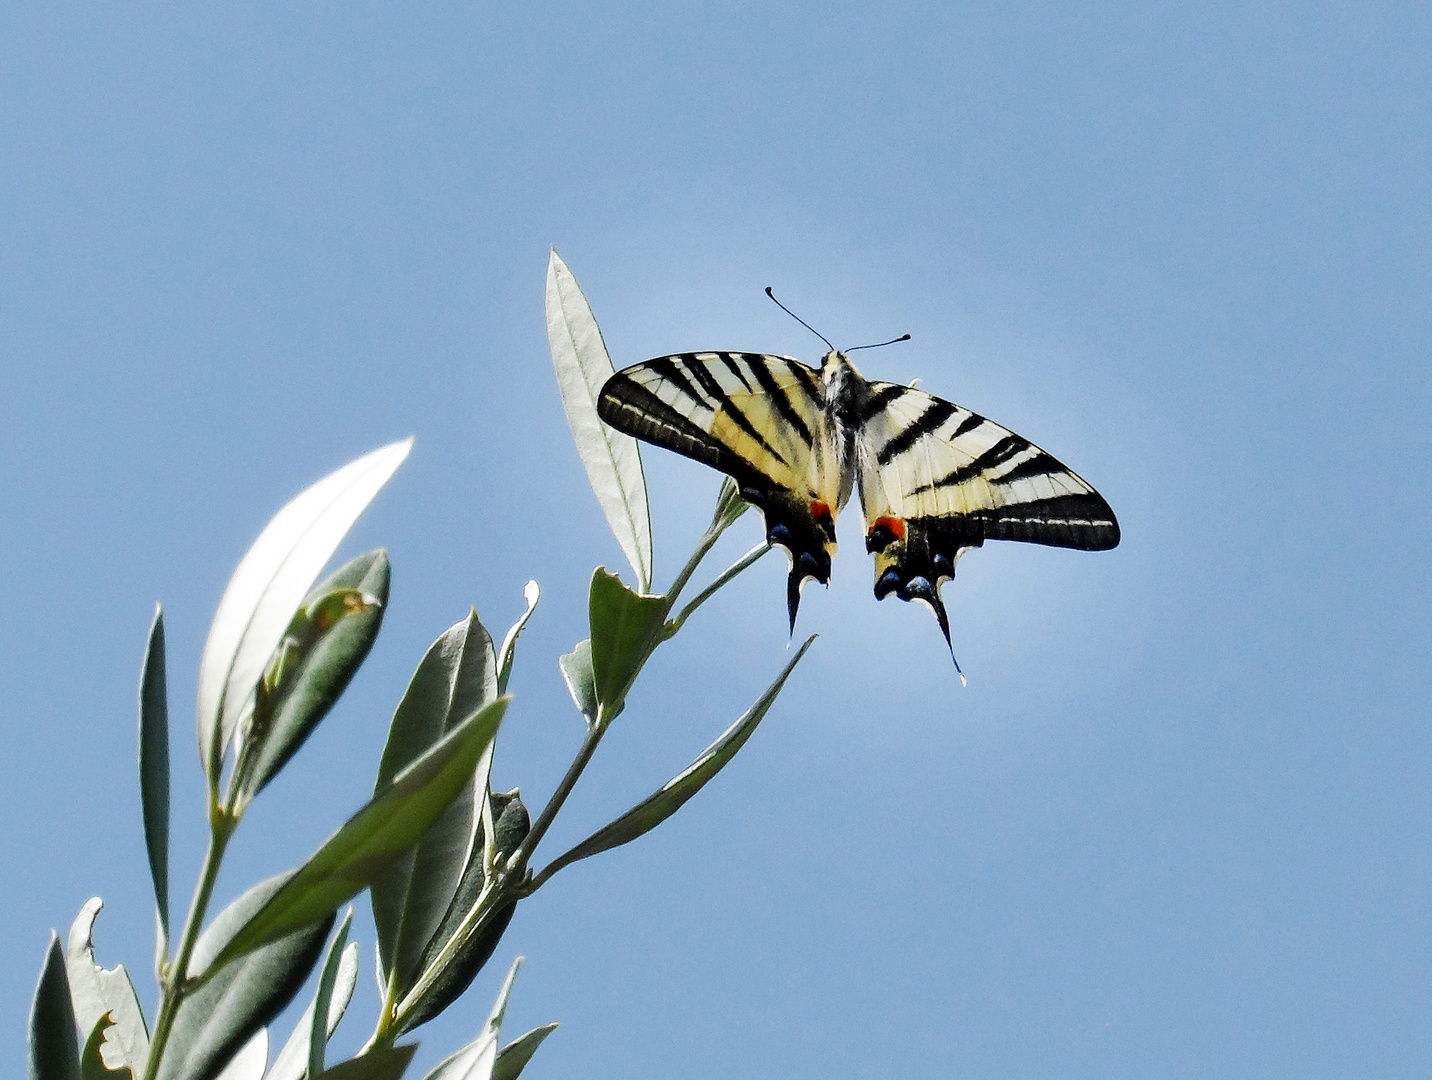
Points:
[(1178, 823)]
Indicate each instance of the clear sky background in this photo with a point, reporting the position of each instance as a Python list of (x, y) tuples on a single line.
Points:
[(1177, 826)]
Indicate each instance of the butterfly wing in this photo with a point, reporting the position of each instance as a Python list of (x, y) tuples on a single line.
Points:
[(937, 480), (761, 420)]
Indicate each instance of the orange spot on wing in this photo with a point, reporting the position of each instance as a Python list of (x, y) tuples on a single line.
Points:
[(819, 510), (894, 524)]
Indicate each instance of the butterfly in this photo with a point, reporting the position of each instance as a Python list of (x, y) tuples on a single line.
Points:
[(935, 479)]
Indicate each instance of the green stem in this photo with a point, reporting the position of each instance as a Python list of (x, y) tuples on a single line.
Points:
[(221, 827), (704, 545), (549, 812), (474, 921), (386, 1014), (722, 579)]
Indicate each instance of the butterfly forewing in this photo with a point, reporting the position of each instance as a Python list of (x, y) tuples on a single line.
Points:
[(923, 457), (760, 419)]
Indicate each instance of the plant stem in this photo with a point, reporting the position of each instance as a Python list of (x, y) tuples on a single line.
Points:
[(544, 820), (221, 827), (725, 576), (475, 919), (705, 544)]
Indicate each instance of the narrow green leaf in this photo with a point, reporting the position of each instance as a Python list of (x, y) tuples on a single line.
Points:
[(251, 1060), (380, 1063), (292, 1060), (513, 1057), (652, 811), (240, 997), (531, 593), (392, 822), (625, 628), (612, 459), (96, 993), (154, 765), (327, 979), (268, 586), (511, 825), (475, 1060), (581, 684), (457, 676), (327, 667), (54, 1041)]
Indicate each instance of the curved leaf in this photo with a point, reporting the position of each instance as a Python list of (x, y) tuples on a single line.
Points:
[(626, 627), (268, 586), (581, 684), (154, 765), (457, 676), (729, 506), (655, 809), (612, 459), (96, 993), (369, 842), (328, 666), (531, 593), (54, 1042)]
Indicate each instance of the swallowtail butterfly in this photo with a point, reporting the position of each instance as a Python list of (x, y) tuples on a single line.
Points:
[(935, 479)]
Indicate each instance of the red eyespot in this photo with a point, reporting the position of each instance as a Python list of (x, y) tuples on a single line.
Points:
[(820, 511), (894, 524)]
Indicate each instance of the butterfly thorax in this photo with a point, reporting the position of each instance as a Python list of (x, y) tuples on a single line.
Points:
[(846, 395), (845, 391)]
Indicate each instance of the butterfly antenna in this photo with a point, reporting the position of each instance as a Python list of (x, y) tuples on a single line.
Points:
[(798, 319), (878, 345)]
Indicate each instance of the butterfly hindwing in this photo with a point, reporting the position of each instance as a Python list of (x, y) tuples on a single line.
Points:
[(937, 480), (761, 420)]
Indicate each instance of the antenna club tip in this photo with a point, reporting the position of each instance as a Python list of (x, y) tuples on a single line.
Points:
[(770, 292), (906, 337)]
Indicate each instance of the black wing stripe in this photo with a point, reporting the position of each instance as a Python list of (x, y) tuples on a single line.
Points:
[(1001, 451), (809, 380), (630, 407), (1071, 521), (668, 369), (735, 369), (709, 383), (782, 402), (967, 425), (1040, 464), (934, 415), (877, 402)]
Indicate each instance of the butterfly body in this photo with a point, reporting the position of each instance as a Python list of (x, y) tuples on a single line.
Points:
[(935, 479)]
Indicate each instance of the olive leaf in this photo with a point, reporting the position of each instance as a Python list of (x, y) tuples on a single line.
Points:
[(612, 459), (267, 587)]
